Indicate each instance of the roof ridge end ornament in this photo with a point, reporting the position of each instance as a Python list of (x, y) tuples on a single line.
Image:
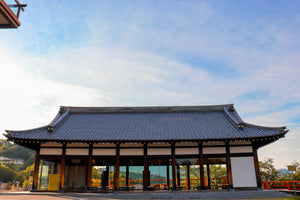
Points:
[(54, 123), (235, 122)]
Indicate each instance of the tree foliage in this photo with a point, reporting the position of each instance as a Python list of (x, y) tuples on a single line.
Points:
[(11, 172), (6, 174), (268, 171), (11, 150), (24, 174)]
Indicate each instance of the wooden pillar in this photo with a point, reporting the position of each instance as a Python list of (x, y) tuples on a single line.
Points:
[(178, 175), (127, 176), (173, 167), (256, 165), (62, 169), (188, 177), (208, 176), (201, 163), (146, 168), (36, 170), (90, 167), (228, 164), (168, 176), (117, 169)]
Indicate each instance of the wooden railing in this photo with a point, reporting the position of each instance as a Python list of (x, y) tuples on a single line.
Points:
[(157, 183), (279, 185)]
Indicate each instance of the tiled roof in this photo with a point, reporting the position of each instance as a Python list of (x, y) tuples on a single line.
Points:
[(174, 123)]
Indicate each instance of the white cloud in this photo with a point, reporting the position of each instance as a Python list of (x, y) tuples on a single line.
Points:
[(29, 100)]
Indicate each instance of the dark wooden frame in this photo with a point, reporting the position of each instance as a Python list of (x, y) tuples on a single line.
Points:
[(145, 157)]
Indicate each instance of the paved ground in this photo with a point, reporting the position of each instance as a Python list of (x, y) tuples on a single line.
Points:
[(142, 195)]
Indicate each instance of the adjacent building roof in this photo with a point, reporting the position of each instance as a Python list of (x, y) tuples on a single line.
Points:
[(8, 19), (148, 124)]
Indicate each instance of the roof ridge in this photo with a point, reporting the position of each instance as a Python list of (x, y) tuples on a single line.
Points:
[(58, 119), (149, 109)]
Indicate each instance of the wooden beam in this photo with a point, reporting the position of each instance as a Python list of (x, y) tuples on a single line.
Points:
[(228, 164), (188, 176), (208, 176), (178, 175), (256, 165), (117, 168), (201, 163), (62, 169), (90, 167), (173, 167), (168, 176), (146, 168), (127, 176), (36, 170)]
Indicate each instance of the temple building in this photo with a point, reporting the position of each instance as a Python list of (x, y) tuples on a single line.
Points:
[(146, 148)]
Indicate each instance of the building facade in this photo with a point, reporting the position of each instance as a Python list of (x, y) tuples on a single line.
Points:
[(16, 161), (146, 148)]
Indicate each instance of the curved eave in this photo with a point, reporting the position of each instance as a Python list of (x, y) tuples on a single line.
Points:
[(10, 133), (280, 128), (256, 141)]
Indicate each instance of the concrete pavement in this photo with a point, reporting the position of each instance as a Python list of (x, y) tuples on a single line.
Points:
[(142, 195)]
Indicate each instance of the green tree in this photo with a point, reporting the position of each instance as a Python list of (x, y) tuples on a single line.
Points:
[(297, 173), (95, 173), (24, 174), (11, 150), (287, 176), (268, 171), (12, 166), (6, 174)]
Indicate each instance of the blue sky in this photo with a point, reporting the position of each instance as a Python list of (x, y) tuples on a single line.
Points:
[(143, 53)]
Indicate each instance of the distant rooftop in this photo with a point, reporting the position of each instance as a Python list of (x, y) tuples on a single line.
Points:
[(148, 124), (16, 161)]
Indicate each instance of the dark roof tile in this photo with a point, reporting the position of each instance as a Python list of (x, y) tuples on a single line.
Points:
[(147, 124)]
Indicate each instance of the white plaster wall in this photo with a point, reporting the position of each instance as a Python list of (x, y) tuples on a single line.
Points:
[(186, 151), (131, 152), (50, 151), (243, 172), (104, 152), (159, 151), (78, 152), (214, 150), (241, 149)]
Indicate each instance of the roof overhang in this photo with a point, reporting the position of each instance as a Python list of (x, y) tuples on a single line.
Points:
[(8, 19)]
